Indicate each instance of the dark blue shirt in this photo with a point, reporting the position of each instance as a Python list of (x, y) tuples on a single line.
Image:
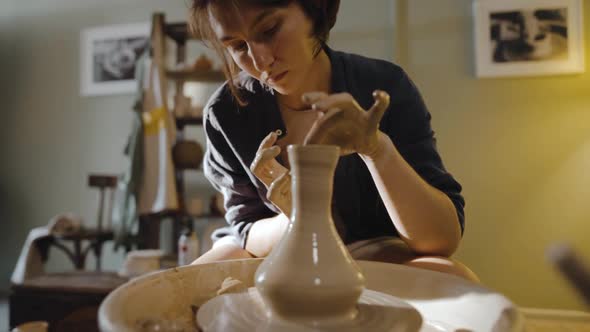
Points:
[(234, 133)]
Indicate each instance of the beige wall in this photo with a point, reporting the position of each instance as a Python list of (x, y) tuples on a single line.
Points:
[(520, 147)]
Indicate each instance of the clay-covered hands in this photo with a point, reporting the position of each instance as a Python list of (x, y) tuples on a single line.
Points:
[(345, 123), (275, 177)]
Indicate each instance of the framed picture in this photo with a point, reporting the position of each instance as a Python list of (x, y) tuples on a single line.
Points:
[(108, 56), (526, 38)]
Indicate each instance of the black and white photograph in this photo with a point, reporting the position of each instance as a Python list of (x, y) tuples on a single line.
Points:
[(529, 35), (543, 38), (114, 59), (108, 58)]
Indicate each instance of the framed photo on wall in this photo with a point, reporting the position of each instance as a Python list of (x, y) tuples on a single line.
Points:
[(108, 55), (528, 38)]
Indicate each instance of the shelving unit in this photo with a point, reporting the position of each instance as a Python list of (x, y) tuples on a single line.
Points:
[(188, 121), (195, 75), (179, 33)]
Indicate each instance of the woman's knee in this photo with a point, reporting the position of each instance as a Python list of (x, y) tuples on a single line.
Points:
[(385, 249), (443, 264), (222, 252), (394, 250)]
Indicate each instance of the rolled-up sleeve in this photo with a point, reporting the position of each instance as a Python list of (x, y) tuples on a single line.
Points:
[(225, 172)]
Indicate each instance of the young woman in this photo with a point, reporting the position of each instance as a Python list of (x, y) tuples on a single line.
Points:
[(393, 199)]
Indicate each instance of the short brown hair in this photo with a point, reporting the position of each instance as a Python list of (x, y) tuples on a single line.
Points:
[(321, 12)]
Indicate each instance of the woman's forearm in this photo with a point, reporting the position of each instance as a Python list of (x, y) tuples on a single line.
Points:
[(265, 234), (425, 217)]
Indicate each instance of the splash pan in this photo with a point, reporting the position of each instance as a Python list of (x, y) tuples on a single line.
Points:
[(444, 302)]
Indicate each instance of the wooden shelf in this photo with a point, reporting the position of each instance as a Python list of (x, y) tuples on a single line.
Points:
[(196, 75), (183, 214), (188, 121), (179, 32), (208, 215)]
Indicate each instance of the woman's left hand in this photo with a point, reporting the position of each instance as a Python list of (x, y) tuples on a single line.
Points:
[(273, 175), (345, 123)]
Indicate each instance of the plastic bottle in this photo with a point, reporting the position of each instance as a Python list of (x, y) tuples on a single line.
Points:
[(188, 247)]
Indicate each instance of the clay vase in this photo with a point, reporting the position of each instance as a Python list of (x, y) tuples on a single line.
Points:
[(309, 276)]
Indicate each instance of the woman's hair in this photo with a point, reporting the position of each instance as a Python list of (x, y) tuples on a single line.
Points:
[(321, 12)]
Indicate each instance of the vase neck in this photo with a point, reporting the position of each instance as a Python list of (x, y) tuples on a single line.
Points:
[(312, 180)]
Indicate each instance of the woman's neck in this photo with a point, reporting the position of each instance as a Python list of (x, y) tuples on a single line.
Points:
[(318, 78)]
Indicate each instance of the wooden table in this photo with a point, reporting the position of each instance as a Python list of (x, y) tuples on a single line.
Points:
[(68, 301), (552, 320)]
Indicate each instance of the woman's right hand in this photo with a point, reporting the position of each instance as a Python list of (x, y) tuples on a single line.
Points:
[(275, 177)]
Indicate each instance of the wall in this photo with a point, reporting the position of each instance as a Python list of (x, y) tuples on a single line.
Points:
[(519, 146), (6, 44)]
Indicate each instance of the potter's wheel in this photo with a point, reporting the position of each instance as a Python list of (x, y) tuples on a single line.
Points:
[(245, 311), (445, 302)]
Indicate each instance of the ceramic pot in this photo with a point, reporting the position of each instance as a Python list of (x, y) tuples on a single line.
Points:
[(36, 326), (187, 155), (309, 276), (139, 262)]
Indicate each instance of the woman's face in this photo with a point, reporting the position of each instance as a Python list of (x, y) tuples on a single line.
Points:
[(272, 44)]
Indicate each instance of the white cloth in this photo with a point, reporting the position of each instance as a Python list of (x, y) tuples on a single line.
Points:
[(30, 263)]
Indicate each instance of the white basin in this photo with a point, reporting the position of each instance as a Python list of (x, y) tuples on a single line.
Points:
[(446, 302)]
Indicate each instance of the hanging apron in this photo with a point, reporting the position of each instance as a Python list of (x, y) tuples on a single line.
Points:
[(157, 189)]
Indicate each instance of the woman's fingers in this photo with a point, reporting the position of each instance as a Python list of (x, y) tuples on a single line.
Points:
[(266, 151), (264, 165), (344, 122), (378, 109), (281, 186), (263, 156), (310, 98), (268, 141), (269, 153), (320, 129), (274, 176), (322, 102), (279, 192)]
